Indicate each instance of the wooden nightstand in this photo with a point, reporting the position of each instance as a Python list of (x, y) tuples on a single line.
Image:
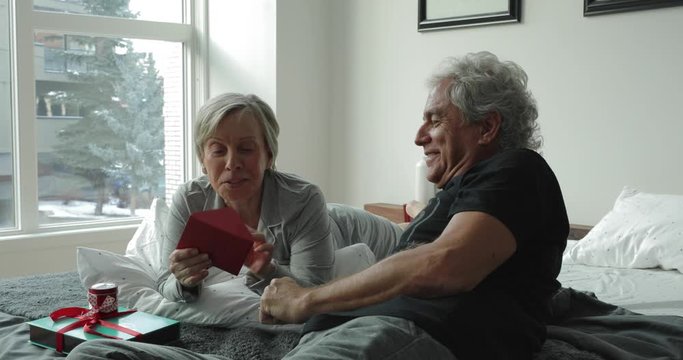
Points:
[(394, 212), (577, 232)]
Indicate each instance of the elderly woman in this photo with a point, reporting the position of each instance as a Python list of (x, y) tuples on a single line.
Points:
[(235, 139)]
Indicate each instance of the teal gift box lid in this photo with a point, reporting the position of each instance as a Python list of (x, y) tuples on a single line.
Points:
[(153, 329)]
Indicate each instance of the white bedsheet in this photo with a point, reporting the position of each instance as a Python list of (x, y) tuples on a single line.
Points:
[(646, 291)]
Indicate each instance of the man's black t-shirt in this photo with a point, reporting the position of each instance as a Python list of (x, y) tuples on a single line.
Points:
[(504, 316)]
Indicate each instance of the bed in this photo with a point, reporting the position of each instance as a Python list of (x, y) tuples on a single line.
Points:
[(646, 291), (614, 303)]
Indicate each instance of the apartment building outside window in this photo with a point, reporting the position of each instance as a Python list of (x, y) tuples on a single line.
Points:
[(97, 128)]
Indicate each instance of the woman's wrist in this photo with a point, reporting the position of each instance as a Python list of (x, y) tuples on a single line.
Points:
[(267, 271)]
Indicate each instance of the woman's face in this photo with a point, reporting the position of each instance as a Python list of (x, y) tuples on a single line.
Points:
[(236, 157)]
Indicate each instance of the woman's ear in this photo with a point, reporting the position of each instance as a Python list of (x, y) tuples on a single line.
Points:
[(204, 170), (490, 127), (270, 160)]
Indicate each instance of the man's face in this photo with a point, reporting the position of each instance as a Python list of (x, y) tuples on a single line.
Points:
[(449, 144)]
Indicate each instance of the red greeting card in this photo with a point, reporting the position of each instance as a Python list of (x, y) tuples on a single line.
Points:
[(221, 234)]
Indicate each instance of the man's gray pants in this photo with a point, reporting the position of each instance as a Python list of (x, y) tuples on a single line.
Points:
[(370, 337)]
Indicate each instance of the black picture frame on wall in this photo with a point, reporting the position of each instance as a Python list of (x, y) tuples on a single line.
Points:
[(599, 7), (505, 14)]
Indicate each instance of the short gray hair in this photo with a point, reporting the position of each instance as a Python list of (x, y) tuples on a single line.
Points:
[(482, 84), (215, 109)]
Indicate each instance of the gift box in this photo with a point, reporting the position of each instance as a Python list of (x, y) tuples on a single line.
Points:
[(125, 324)]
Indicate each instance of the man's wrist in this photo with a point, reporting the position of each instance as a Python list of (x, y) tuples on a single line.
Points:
[(310, 303)]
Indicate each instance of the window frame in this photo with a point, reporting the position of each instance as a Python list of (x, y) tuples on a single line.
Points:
[(24, 21)]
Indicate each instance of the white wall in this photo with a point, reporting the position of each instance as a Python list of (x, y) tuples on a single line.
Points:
[(242, 47), (278, 51), (347, 80), (609, 90), (303, 88)]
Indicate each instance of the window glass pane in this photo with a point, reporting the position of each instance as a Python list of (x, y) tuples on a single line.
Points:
[(154, 10), (109, 125), (6, 168)]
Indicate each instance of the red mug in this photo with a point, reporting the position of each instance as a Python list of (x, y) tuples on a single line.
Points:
[(102, 297)]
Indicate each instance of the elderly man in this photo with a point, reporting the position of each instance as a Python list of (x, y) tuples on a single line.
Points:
[(473, 274)]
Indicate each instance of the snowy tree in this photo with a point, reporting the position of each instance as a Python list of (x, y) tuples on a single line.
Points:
[(120, 95), (135, 118)]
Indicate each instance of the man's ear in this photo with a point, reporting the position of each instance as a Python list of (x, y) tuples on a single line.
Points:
[(490, 127)]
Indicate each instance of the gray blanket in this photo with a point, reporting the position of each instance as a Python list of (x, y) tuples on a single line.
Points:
[(583, 328)]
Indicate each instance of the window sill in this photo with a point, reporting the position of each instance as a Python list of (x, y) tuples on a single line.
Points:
[(56, 251)]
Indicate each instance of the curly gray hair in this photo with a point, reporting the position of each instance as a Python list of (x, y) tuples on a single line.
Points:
[(215, 109), (482, 84)]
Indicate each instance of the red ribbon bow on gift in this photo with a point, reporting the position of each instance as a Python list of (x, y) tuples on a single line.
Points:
[(88, 319)]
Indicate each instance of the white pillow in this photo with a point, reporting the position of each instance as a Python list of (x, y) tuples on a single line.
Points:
[(641, 231), (147, 242), (225, 299), (352, 259)]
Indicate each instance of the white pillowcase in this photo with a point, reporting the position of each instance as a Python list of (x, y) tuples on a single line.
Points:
[(352, 259), (641, 231), (147, 243), (225, 299)]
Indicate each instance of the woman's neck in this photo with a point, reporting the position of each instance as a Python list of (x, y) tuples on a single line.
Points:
[(249, 210)]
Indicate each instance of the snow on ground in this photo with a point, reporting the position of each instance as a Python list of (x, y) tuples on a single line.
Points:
[(84, 210)]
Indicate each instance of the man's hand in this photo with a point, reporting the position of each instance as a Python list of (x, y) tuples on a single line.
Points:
[(284, 301), (189, 266)]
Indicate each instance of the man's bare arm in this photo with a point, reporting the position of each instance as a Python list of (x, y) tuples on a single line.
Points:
[(472, 246)]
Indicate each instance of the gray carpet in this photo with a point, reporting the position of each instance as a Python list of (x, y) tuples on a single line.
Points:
[(34, 297)]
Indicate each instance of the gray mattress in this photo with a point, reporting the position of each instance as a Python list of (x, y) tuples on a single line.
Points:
[(583, 327)]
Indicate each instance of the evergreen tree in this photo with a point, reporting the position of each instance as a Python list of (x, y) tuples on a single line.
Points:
[(120, 96), (116, 8), (136, 121)]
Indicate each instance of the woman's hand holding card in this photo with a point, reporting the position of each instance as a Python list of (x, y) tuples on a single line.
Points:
[(259, 259)]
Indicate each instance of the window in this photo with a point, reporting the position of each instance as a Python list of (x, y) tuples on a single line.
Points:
[(7, 215), (100, 116), (156, 10)]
